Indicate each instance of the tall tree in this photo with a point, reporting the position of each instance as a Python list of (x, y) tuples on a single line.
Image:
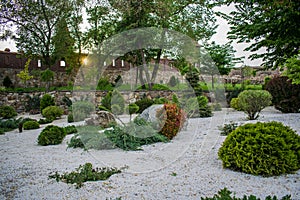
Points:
[(35, 23), (273, 25)]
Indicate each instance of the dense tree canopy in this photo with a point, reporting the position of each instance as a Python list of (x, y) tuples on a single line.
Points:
[(273, 25)]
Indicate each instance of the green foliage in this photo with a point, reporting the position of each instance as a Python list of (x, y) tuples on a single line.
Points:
[(47, 76), (70, 129), (234, 103), (46, 100), (233, 94), (198, 107), (254, 21), (67, 101), (158, 87), (106, 101), (52, 112), (85, 173), (51, 135), (134, 135), (266, 149), (143, 104), (286, 96), (81, 110), (7, 82), (9, 125), (117, 100), (228, 128), (45, 121), (24, 74), (104, 84), (171, 119), (225, 194), (266, 81), (7, 112), (293, 69), (70, 118), (31, 125), (32, 105), (132, 108), (173, 81), (253, 101)]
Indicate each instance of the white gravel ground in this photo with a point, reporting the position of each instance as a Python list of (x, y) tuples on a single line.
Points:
[(186, 168)]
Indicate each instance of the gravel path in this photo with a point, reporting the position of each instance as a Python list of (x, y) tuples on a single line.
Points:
[(186, 168)]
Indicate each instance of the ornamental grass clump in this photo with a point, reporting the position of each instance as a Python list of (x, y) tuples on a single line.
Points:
[(267, 149)]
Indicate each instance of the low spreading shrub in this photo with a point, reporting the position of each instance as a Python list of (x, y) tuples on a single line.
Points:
[(31, 125), (52, 112), (46, 100), (172, 118), (7, 112), (252, 102), (70, 129), (267, 149), (228, 128), (143, 104), (51, 135), (9, 124), (85, 173), (45, 121), (81, 110), (286, 96)]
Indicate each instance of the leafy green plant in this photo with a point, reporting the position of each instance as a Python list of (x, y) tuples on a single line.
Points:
[(198, 107), (9, 124), (225, 194), (85, 173), (70, 129), (143, 104), (46, 101), (70, 118), (286, 96), (171, 118), (252, 102), (7, 112), (132, 109), (228, 128), (52, 112), (45, 121), (81, 110), (51, 135), (24, 74), (47, 76), (31, 125), (234, 103), (104, 85), (32, 105), (267, 149)]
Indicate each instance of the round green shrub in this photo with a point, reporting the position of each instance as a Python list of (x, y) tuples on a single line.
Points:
[(266, 149), (31, 125), (234, 103), (82, 109), (7, 112), (143, 104), (46, 101), (51, 135), (70, 118), (254, 101), (52, 112)]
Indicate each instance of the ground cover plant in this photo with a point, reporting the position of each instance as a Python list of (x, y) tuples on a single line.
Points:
[(225, 194), (85, 173), (51, 135), (228, 128), (266, 149)]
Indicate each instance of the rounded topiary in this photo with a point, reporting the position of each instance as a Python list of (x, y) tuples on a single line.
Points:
[(52, 112), (266, 149), (31, 125), (7, 112), (234, 103), (46, 100), (51, 135)]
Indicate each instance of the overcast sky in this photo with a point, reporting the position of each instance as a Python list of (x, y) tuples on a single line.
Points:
[(220, 38)]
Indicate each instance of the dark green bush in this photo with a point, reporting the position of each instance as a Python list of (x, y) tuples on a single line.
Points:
[(46, 101), (67, 101), (45, 121), (7, 112), (228, 128), (198, 107), (233, 94), (51, 135), (252, 102), (70, 129), (31, 125), (10, 124), (265, 149), (104, 84), (106, 101), (85, 173), (7, 82), (173, 81), (286, 96), (143, 104), (52, 112), (81, 110), (32, 105), (70, 118)]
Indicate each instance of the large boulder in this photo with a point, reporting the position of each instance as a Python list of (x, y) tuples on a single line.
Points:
[(149, 115), (101, 118)]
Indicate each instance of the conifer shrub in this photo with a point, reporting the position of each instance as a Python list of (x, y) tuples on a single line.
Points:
[(46, 100), (234, 103), (104, 84), (267, 149), (286, 96), (143, 104), (252, 102), (31, 125), (7, 112), (51, 135), (52, 112), (81, 110), (172, 118), (45, 121), (70, 118), (117, 102), (32, 105), (70, 129), (173, 81)]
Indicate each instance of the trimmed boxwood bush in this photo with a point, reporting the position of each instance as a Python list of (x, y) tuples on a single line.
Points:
[(7, 112), (31, 125), (51, 135), (52, 112), (266, 149), (252, 102), (46, 101)]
